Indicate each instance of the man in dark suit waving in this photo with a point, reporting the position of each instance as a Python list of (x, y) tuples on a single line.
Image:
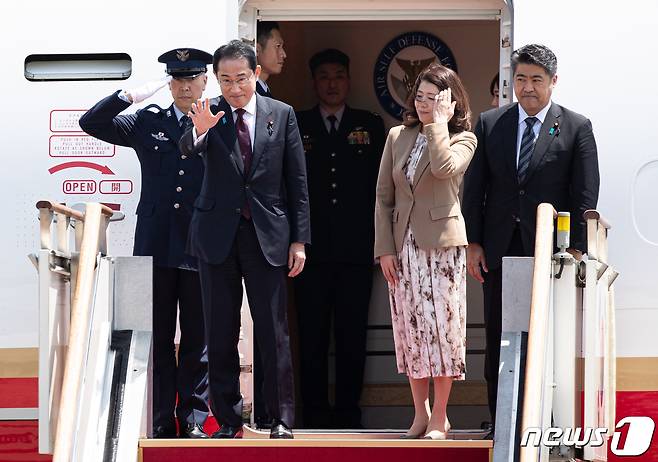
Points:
[(250, 220), (528, 152)]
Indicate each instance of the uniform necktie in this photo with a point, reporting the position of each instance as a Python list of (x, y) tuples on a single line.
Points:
[(244, 141), (184, 123), (333, 131), (527, 146)]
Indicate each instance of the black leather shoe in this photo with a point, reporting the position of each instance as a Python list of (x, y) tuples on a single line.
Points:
[(192, 430), (164, 432), (280, 430), (228, 432)]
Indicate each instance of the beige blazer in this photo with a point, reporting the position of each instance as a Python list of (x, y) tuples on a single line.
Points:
[(431, 205)]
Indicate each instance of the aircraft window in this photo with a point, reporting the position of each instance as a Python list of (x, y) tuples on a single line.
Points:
[(84, 66)]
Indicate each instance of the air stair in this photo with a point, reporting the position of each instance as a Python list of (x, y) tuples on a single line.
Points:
[(95, 339)]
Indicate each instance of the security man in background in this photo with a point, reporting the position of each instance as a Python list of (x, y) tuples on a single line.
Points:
[(343, 150), (269, 53), (270, 56), (170, 184)]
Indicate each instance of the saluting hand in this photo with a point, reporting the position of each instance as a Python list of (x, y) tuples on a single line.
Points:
[(139, 94), (202, 116), (444, 106)]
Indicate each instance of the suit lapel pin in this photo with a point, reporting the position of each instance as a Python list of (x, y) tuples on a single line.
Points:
[(224, 120), (168, 113), (555, 129), (270, 127)]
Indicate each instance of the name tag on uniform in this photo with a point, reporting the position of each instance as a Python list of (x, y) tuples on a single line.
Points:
[(159, 136)]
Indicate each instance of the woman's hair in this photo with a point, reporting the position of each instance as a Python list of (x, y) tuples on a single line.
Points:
[(443, 78)]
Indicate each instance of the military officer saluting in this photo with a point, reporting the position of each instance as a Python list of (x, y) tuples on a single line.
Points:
[(170, 183), (343, 149)]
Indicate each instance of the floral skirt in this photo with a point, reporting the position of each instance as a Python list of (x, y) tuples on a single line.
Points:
[(428, 311)]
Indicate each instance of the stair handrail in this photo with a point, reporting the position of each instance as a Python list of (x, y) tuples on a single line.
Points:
[(537, 332), (598, 228), (94, 223)]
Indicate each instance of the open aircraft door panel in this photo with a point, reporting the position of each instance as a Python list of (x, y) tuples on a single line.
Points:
[(68, 57)]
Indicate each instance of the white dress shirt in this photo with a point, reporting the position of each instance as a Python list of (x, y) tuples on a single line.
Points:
[(541, 115), (178, 113), (249, 117)]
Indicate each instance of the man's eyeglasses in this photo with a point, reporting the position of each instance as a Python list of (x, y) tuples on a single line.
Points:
[(241, 82)]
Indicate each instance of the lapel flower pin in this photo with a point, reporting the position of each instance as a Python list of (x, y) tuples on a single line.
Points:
[(555, 129)]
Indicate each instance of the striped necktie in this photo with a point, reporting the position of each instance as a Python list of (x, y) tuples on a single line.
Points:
[(244, 141), (527, 146), (184, 123)]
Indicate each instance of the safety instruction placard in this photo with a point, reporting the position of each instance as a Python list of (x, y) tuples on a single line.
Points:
[(79, 146)]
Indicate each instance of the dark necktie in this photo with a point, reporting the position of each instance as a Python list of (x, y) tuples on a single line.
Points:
[(333, 131), (527, 146), (244, 140), (184, 123)]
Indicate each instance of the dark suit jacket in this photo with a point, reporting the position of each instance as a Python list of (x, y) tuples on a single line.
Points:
[(275, 186), (262, 91), (153, 133), (342, 177), (563, 171)]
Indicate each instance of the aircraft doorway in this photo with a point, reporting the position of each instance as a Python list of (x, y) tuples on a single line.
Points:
[(475, 45)]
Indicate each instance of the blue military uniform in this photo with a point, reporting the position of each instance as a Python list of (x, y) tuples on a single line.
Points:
[(170, 184), (170, 181)]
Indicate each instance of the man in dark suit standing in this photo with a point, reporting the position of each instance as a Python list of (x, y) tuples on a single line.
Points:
[(250, 220), (528, 152), (270, 54), (343, 149), (170, 183)]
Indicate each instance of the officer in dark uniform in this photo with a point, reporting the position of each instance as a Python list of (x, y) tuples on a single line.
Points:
[(170, 184), (343, 149)]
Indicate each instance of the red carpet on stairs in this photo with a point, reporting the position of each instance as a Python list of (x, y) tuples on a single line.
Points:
[(314, 454)]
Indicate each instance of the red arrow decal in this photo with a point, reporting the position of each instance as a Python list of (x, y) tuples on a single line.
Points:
[(104, 169)]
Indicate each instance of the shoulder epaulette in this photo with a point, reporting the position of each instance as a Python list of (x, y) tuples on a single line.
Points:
[(154, 108)]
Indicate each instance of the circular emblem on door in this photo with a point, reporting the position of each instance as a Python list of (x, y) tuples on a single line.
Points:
[(400, 62)]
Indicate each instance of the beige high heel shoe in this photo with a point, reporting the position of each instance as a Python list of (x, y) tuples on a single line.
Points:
[(438, 435), (435, 435)]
